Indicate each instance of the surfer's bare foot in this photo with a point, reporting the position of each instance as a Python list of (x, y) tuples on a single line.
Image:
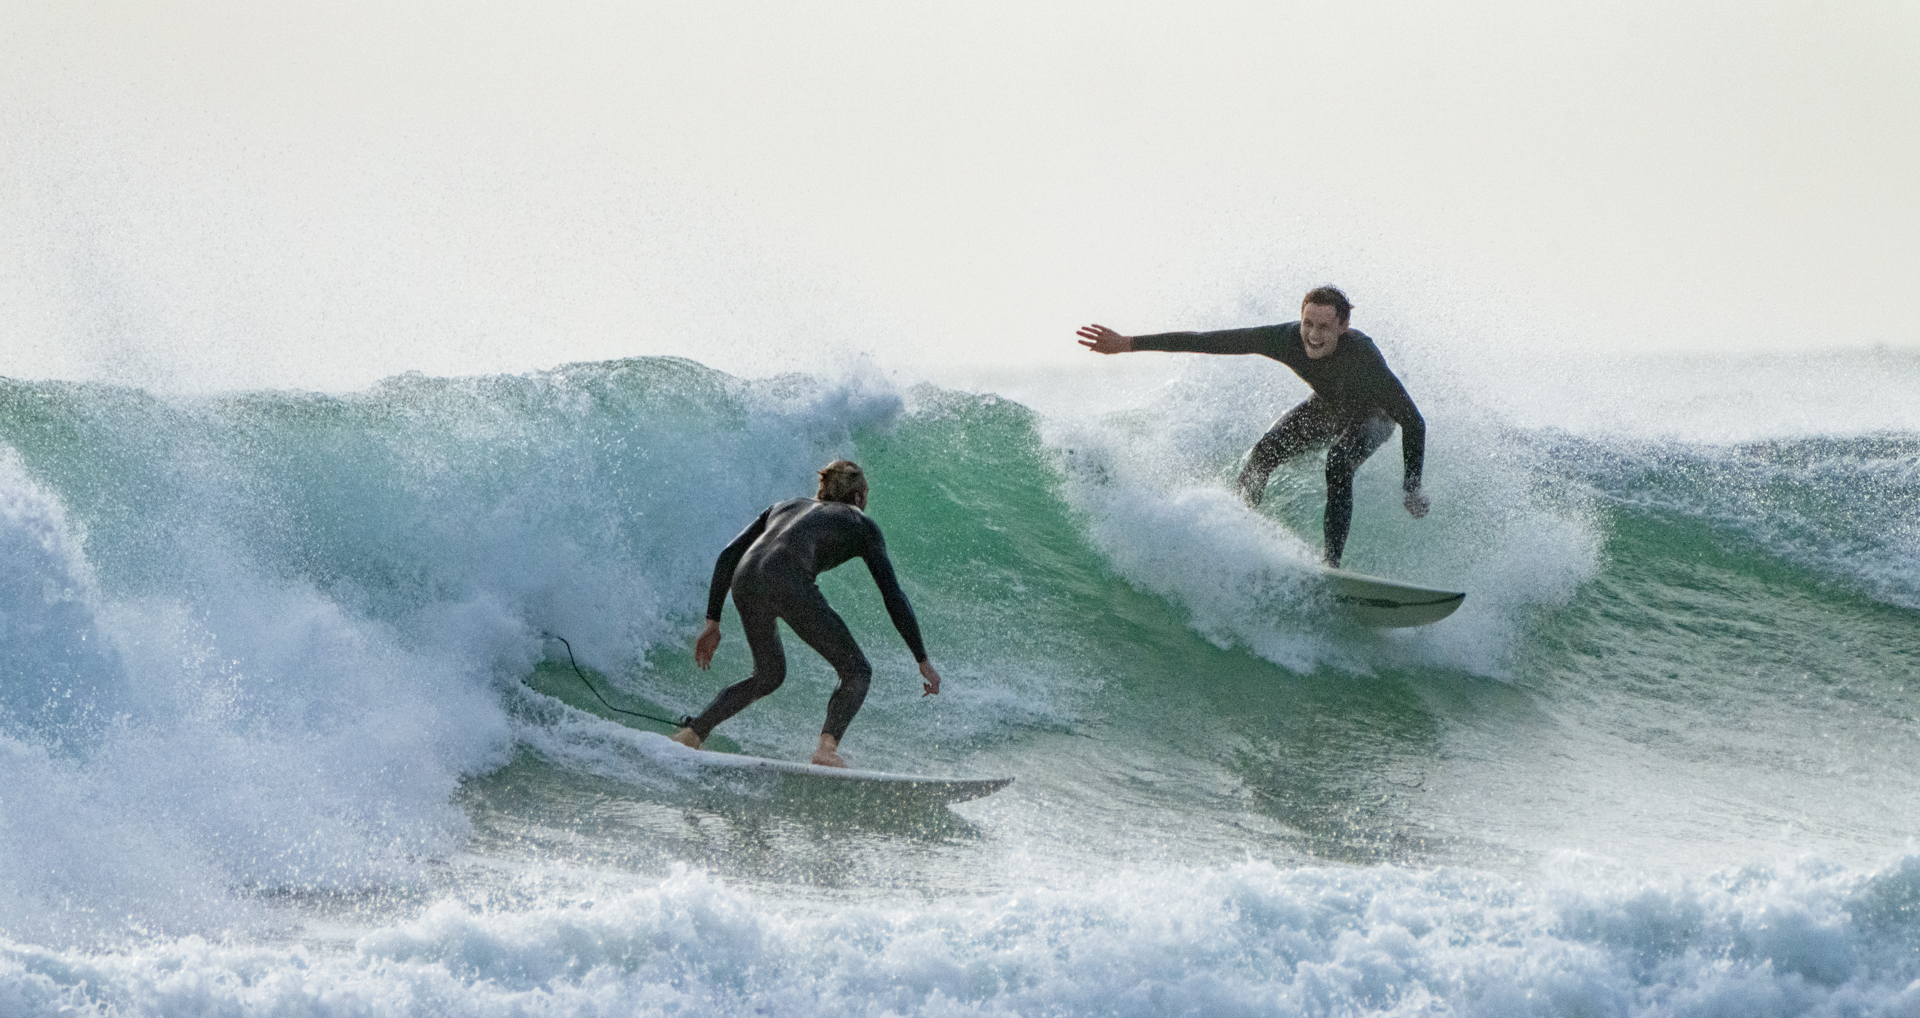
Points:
[(687, 738), (828, 755)]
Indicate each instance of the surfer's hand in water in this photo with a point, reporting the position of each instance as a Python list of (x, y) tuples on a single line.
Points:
[(1417, 503), (1101, 339), (931, 687), (703, 647)]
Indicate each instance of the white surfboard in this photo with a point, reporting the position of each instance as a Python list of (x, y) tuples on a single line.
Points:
[(1390, 604), (790, 780)]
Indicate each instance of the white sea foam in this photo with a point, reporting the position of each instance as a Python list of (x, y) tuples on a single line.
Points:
[(60, 677), (248, 735), (1249, 939), (1155, 477)]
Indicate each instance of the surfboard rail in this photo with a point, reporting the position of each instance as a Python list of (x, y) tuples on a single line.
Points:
[(787, 780), (1389, 604), (792, 779)]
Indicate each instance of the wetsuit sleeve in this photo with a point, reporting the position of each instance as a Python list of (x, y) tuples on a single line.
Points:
[(1263, 339), (896, 599), (729, 560), (1395, 403)]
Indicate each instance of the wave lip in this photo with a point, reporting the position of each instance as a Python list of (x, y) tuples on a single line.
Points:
[(1841, 506), (58, 677)]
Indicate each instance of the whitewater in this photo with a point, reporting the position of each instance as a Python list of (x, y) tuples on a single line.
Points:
[(268, 742)]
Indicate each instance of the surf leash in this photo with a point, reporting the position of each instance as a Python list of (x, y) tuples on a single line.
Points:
[(682, 723)]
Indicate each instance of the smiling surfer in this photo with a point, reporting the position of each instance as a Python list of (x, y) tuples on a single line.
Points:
[(1356, 400), (771, 568)]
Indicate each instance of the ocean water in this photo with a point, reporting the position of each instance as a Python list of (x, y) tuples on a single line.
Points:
[(268, 747)]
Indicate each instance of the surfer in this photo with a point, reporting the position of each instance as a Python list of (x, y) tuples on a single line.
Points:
[(771, 568), (1356, 401)]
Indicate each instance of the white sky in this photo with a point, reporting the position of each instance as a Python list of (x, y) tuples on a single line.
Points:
[(211, 193)]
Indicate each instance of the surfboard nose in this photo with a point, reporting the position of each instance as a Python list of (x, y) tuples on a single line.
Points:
[(1390, 604)]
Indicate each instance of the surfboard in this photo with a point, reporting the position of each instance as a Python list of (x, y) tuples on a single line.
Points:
[(788, 779), (722, 764), (1390, 604)]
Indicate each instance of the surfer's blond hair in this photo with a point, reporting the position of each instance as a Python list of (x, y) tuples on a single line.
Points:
[(840, 481)]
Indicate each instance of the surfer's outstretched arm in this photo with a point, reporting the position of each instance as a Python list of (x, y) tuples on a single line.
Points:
[(1261, 340)]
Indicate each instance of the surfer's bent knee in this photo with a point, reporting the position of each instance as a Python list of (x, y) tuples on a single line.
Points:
[(764, 681), (856, 674)]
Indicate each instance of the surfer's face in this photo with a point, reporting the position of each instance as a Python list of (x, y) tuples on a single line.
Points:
[(1320, 329)]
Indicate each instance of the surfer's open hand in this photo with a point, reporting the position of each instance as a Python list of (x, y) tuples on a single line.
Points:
[(931, 687), (1101, 339), (704, 647), (1417, 503)]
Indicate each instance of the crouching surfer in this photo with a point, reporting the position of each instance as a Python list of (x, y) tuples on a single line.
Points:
[(771, 568), (1356, 401)]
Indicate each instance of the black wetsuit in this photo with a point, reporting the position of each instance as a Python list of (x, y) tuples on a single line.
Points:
[(771, 568), (1355, 403)]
